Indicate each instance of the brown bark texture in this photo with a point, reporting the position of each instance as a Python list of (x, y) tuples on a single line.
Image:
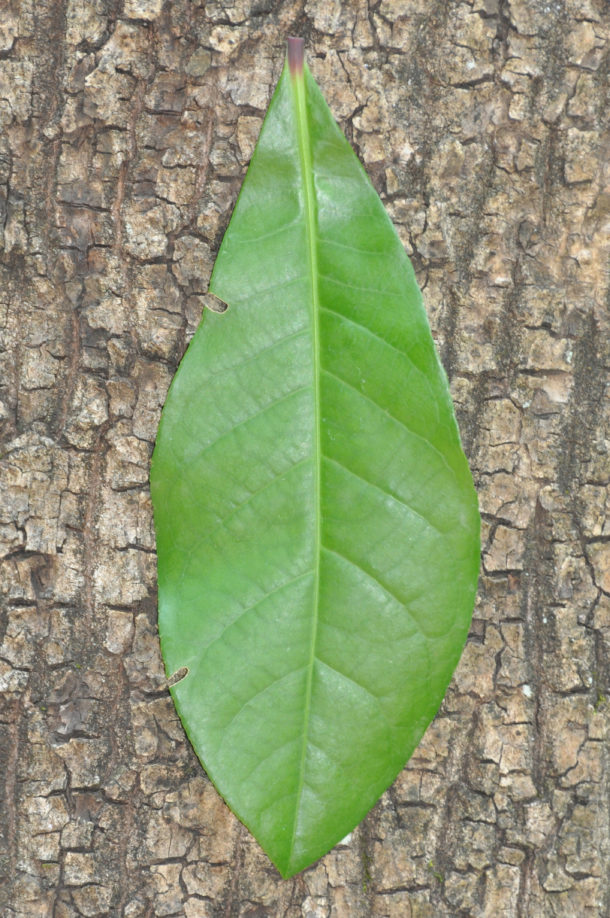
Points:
[(127, 126)]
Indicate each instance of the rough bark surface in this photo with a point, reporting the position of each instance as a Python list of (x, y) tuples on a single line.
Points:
[(127, 126)]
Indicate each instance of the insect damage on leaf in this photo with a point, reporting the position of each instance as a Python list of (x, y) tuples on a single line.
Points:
[(214, 304), (178, 676), (317, 526)]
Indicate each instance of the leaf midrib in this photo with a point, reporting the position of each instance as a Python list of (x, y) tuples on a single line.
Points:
[(306, 163)]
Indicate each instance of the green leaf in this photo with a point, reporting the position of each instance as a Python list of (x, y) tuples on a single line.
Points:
[(317, 526)]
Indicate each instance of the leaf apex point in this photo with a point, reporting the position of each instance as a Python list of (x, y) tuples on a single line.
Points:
[(296, 55)]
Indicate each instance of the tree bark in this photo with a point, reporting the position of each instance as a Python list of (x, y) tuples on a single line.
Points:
[(126, 131)]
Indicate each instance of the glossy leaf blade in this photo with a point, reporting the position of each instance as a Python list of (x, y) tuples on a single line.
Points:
[(317, 527)]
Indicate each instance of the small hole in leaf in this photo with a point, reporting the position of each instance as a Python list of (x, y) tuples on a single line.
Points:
[(214, 304), (178, 676)]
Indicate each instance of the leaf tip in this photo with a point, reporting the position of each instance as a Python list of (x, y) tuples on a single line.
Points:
[(296, 56)]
